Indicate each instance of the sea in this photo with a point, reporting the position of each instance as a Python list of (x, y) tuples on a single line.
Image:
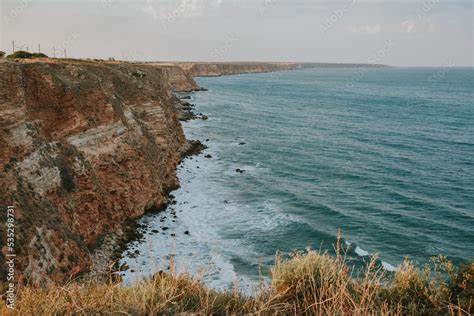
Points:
[(384, 154)]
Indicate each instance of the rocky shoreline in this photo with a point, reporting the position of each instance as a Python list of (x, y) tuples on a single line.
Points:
[(105, 259), (88, 147)]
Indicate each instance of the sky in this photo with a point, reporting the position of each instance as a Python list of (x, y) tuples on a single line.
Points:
[(393, 32)]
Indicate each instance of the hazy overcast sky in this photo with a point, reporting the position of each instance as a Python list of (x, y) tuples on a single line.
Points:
[(397, 32)]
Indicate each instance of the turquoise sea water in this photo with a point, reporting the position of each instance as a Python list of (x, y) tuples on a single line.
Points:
[(386, 154)]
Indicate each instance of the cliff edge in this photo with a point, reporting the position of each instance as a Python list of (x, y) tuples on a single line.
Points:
[(85, 147)]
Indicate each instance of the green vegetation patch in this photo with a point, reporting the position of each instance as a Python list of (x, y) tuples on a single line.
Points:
[(25, 55)]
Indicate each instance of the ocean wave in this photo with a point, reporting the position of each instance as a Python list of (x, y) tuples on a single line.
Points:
[(364, 253)]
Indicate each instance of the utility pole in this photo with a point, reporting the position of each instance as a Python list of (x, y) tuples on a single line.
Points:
[(39, 48), (54, 52), (27, 49), (13, 42), (65, 53)]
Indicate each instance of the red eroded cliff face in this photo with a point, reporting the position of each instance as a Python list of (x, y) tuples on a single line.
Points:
[(84, 147)]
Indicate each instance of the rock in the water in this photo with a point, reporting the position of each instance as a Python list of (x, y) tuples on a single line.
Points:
[(193, 147), (207, 156), (124, 267)]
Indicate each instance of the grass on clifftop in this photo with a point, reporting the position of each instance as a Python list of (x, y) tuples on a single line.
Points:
[(307, 283)]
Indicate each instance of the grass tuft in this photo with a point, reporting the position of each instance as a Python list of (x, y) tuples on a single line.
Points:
[(308, 282)]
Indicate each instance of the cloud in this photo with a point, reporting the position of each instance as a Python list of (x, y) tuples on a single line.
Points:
[(408, 26), (365, 29)]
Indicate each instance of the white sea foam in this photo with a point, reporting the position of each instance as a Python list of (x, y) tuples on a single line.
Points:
[(361, 252), (209, 214), (387, 266)]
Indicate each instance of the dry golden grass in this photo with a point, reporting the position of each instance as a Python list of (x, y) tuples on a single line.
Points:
[(312, 283)]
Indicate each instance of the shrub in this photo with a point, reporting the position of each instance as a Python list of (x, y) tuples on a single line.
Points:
[(308, 279), (25, 55), (462, 285), (20, 54), (39, 55), (2, 54), (309, 283), (418, 290)]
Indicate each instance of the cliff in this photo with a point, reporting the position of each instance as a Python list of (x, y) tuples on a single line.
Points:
[(179, 79), (182, 74), (85, 147), (219, 69)]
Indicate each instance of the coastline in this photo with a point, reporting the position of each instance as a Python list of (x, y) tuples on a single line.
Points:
[(105, 259), (93, 145), (164, 283)]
